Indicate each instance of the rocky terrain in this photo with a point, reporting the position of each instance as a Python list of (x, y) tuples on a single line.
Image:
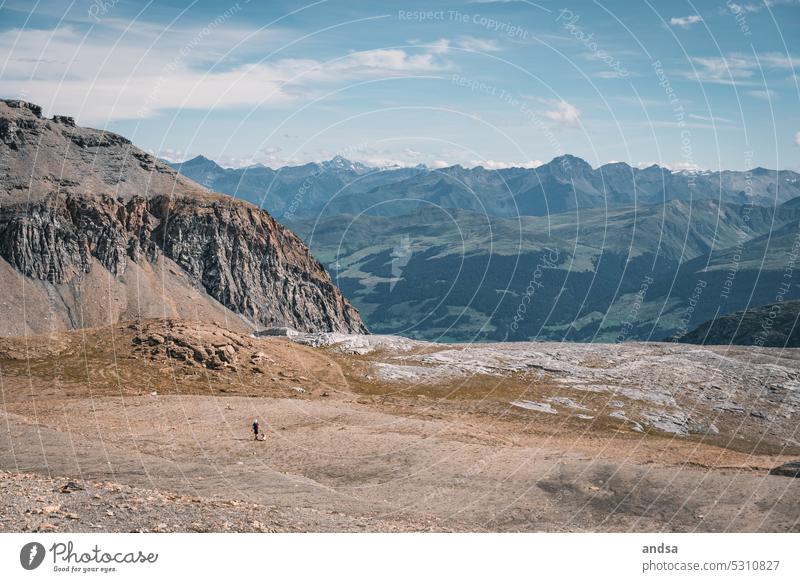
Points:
[(94, 231), (33, 503), (721, 395), (151, 422)]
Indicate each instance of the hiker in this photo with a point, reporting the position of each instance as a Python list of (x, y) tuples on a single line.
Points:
[(255, 428)]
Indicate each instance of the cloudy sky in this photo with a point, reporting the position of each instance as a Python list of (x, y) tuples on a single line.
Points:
[(709, 84)]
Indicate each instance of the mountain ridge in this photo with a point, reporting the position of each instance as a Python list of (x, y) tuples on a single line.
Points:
[(566, 183), (406, 246), (94, 230), (770, 325), (339, 160)]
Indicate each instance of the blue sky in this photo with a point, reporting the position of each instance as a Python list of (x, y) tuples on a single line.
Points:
[(495, 83)]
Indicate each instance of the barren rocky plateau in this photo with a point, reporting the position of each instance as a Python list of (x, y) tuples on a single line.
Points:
[(146, 426)]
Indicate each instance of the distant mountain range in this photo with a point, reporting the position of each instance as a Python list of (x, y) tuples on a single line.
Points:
[(339, 186), (292, 190), (560, 252)]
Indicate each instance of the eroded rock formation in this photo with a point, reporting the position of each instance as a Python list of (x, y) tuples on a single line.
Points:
[(94, 201)]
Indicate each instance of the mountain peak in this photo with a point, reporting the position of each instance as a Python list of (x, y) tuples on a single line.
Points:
[(200, 160), (569, 164), (568, 160), (615, 165), (342, 163)]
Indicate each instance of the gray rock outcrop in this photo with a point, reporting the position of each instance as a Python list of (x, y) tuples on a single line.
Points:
[(790, 469)]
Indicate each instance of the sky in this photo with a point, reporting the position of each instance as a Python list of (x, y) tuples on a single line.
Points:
[(686, 85)]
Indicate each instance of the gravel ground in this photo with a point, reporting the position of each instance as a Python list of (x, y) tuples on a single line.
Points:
[(33, 503), (542, 437)]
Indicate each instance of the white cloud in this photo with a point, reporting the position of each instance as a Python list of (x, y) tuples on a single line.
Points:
[(497, 165), (777, 61), (724, 70), (682, 166), (758, 6), (685, 21), (739, 8), (738, 68), (797, 138), (235, 161), (380, 62), (438, 47), (610, 75), (710, 119), (678, 166), (374, 157), (273, 157), (97, 80), (171, 155), (564, 113), (765, 94), (382, 161), (480, 45)]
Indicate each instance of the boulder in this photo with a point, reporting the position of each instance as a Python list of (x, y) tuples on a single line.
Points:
[(790, 469), (277, 332)]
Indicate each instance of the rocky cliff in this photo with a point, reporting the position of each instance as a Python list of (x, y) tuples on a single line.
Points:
[(94, 230)]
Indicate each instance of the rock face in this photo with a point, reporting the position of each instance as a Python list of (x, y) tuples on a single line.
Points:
[(75, 200)]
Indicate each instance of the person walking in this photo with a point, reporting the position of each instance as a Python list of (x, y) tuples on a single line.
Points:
[(255, 428)]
